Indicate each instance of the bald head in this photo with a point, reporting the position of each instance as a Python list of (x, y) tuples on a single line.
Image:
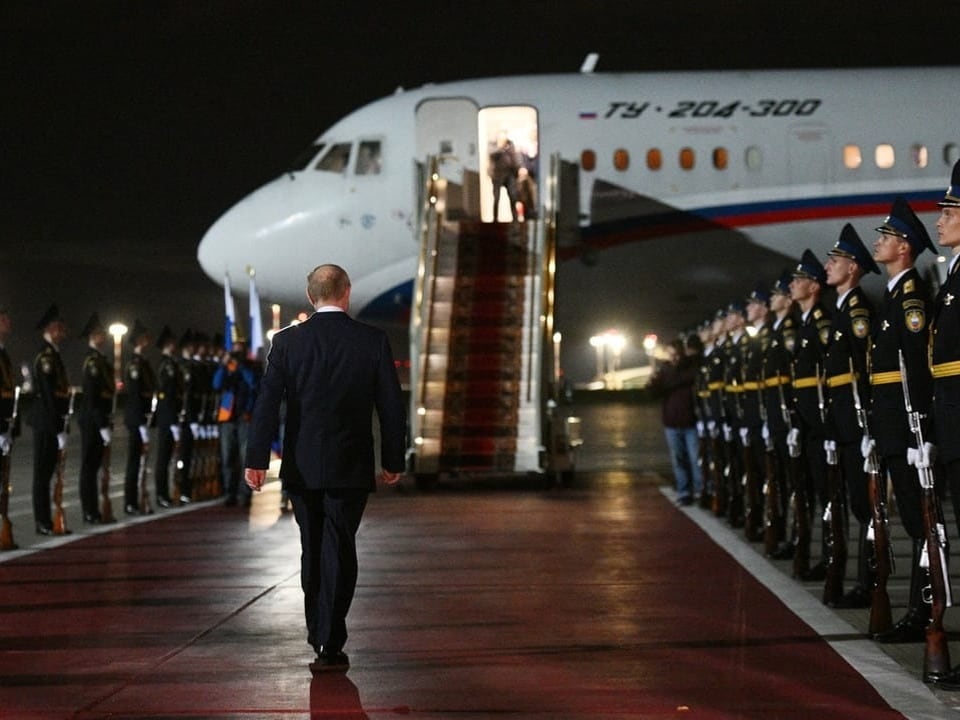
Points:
[(328, 285)]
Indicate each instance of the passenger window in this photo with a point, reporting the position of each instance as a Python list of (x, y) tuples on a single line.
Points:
[(754, 158), (720, 158), (687, 158), (588, 160), (621, 159), (336, 159), (368, 158), (852, 158), (920, 155), (884, 156), (654, 159)]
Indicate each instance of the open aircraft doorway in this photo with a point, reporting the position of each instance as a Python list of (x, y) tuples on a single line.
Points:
[(509, 170)]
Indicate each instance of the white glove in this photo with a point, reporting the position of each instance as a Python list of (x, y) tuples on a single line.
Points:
[(175, 432), (727, 433), (61, 441), (867, 446), (745, 437), (214, 432), (830, 448), (106, 436), (195, 430), (922, 458), (765, 432), (144, 433), (712, 428), (793, 442), (701, 428), (6, 442)]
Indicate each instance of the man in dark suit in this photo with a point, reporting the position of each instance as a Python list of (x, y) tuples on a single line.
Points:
[(333, 372)]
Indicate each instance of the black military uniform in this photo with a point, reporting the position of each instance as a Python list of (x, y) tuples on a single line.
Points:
[(95, 416), (901, 325), (190, 425), (141, 385), (735, 353), (7, 387), (169, 415), (813, 335), (715, 360), (945, 362), (753, 416), (846, 364), (50, 416), (778, 399)]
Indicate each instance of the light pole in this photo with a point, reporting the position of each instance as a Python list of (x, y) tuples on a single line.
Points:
[(118, 330), (556, 365)]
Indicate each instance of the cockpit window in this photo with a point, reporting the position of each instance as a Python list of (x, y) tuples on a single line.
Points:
[(336, 159), (368, 157), (302, 160)]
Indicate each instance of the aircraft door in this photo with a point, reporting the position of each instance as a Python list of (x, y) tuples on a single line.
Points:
[(447, 129), (809, 153)]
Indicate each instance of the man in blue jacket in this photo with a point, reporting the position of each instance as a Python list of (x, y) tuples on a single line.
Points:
[(333, 372)]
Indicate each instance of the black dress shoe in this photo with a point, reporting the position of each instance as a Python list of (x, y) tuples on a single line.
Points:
[(44, 529), (858, 597), (815, 574), (330, 662), (950, 681), (911, 628), (131, 510), (164, 502), (91, 519), (184, 500), (784, 552)]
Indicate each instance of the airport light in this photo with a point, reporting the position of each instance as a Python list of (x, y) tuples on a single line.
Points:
[(275, 310), (118, 330), (616, 341)]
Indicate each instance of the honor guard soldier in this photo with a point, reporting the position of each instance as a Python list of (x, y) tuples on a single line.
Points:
[(735, 350), (845, 364), (7, 387), (715, 359), (95, 415), (778, 399), (702, 405), (758, 339), (51, 408), (141, 385), (813, 335), (901, 326), (190, 429), (169, 415), (945, 346)]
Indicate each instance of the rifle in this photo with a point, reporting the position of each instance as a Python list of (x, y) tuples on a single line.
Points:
[(6, 531), (106, 507), (881, 618), (59, 518), (936, 654), (798, 498), (833, 515), (144, 471), (176, 461), (772, 519)]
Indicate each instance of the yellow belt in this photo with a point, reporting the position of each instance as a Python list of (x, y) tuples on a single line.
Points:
[(885, 378), (838, 380), (733, 388), (775, 381), (806, 382), (752, 385), (704, 394), (947, 369), (715, 385)]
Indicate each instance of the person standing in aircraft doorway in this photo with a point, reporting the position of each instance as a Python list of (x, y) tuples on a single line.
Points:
[(504, 163)]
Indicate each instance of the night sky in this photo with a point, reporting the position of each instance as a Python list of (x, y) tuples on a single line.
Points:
[(128, 127)]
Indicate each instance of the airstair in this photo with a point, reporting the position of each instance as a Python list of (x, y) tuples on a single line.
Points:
[(480, 353)]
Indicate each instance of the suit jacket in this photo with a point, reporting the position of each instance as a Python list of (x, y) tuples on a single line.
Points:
[(333, 372)]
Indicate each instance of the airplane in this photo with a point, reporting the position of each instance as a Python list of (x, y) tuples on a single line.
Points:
[(680, 191)]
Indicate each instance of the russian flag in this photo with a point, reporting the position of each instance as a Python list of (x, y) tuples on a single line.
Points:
[(230, 323), (256, 324)]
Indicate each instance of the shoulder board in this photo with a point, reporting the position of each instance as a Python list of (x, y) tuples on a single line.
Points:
[(854, 301)]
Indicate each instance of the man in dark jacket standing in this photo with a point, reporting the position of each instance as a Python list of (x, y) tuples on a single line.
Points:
[(333, 372)]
